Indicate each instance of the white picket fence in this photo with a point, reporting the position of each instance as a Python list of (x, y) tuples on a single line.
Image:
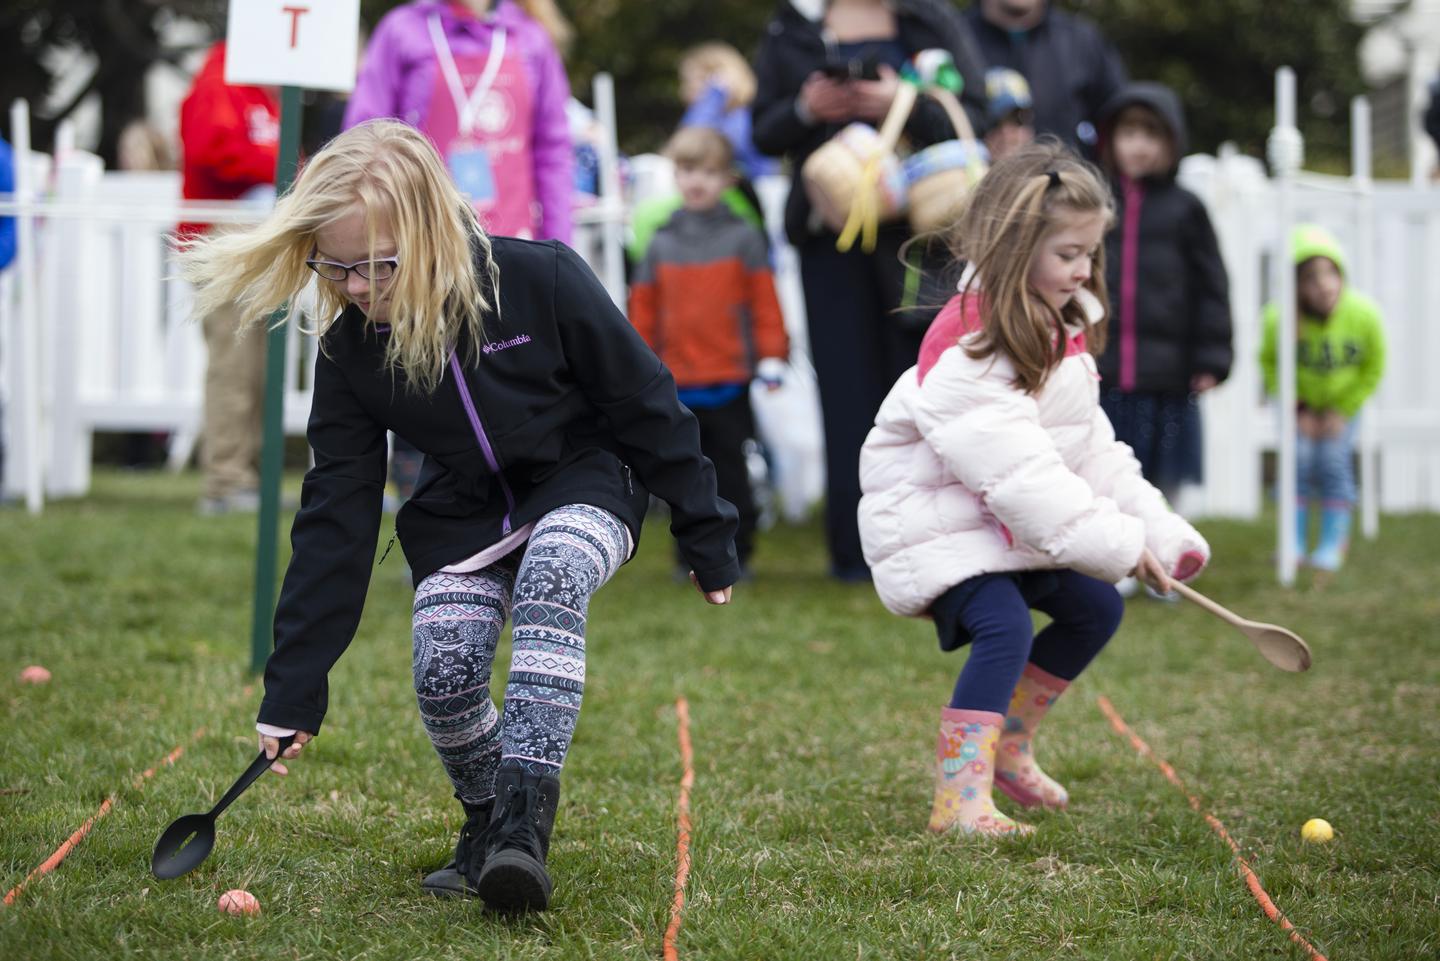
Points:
[(111, 346), (118, 350), (103, 338), (118, 347), (1391, 232)]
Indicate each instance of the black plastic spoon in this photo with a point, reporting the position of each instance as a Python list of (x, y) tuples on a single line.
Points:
[(188, 840)]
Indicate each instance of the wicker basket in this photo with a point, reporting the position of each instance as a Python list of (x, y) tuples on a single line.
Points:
[(938, 179), (831, 176), (941, 175)]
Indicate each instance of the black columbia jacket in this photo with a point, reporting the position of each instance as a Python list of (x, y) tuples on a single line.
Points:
[(563, 404), (1170, 312)]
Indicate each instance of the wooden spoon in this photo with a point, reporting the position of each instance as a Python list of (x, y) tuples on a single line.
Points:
[(1276, 644)]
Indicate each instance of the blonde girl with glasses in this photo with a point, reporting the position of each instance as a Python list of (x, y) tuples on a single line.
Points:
[(546, 423), (993, 484)]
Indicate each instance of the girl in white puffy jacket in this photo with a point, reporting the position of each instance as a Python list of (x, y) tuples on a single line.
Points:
[(993, 484)]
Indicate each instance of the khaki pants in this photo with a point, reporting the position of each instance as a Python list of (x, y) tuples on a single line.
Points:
[(234, 395)]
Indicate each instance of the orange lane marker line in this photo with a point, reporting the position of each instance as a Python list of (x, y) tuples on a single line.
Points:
[(682, 840), (1251, 880), (53, 861)]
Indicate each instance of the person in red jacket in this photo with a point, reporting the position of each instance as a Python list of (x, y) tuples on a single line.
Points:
[(704, 300), (230, 139)]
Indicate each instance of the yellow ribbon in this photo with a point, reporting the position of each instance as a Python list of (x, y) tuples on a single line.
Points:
[(864, 217)]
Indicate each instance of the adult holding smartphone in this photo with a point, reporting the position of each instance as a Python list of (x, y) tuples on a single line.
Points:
[(812, 70)]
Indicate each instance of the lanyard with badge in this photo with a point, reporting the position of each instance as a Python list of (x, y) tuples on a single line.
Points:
[(468, 159)]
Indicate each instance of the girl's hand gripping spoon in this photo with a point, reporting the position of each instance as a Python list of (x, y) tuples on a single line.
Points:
[(173, 855)]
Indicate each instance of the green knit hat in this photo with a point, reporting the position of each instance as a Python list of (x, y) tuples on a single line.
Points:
[(1312, 240)]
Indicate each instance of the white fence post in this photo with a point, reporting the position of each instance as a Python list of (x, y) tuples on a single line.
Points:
[(1362, 274), (1285, 162), (25, 369), (82, 337), (611, 199)]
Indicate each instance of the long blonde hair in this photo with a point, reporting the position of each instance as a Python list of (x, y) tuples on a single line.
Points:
[(1011, 210), (393, 172), (724, 61), (545, 13)]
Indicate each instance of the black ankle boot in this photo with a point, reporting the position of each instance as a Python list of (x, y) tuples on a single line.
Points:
[(514, 876), (451, 881)]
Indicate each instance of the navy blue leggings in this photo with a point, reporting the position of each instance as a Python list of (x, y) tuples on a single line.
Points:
[(992, 612)]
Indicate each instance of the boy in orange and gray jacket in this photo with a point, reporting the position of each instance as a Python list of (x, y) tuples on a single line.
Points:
[(703, 297)]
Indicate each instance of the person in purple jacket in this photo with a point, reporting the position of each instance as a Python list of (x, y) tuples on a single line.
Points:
[(484, 80)]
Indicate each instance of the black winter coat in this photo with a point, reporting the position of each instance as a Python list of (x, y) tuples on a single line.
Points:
[(564, 404), (1072, 70), (1176, 321), (1431, 117), (794, 47)]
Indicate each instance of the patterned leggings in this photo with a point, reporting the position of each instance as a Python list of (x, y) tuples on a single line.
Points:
[(571, 552)]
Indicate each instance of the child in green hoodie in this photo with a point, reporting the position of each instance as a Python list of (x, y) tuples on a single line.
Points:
[(1339, 357)]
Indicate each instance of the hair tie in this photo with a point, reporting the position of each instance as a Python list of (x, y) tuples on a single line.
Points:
[(1054, 176)]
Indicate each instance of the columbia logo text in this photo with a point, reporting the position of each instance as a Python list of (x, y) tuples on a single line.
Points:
[(500, 345)]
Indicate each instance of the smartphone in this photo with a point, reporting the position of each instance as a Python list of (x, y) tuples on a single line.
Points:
[(855, 69)]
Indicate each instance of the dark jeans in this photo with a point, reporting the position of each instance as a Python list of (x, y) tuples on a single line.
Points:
[(859, 348), (991, 612), (723, 433)]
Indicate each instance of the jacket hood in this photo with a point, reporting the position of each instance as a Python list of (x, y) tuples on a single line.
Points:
[(1158, 98), (1311, 240)]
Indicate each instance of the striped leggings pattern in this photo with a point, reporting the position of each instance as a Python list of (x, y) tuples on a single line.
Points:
[(458, 619)]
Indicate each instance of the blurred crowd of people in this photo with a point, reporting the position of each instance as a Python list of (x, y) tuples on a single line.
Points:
[(486, 81)]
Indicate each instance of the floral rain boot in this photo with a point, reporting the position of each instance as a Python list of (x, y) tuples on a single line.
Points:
[(1016, 772), (964, 774)]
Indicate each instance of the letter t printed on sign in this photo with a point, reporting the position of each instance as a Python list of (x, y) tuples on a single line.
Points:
[(296, 12)]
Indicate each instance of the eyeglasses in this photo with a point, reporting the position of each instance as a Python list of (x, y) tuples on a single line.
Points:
[(381, 268)]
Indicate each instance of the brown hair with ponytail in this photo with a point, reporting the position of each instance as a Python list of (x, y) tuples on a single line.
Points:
[(1012, 209)]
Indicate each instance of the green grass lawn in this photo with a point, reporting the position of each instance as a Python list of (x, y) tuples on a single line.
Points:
[(813, 718)]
